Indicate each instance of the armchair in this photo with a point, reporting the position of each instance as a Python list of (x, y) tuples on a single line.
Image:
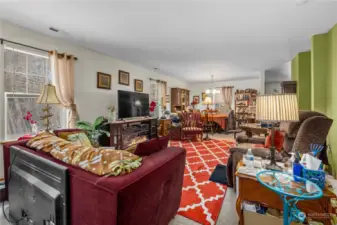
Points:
[(191, 125), (312, 127)]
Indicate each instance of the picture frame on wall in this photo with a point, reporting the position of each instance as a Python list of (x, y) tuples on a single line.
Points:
[(138, 85), (103, 81), (123, 78), (203, 96), (196, 99)]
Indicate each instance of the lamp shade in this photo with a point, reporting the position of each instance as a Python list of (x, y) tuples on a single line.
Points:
[(48, 95), (208, 101), (277, 107)]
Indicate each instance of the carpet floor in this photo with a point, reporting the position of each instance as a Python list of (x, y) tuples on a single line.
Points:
[(202, 199)]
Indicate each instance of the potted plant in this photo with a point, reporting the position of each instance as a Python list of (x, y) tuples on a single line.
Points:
[(94, 130)]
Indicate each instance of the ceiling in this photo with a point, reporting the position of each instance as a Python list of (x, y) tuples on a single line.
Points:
[(189, 39)]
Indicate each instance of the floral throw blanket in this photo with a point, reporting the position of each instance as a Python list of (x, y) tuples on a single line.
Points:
[(100, 161)]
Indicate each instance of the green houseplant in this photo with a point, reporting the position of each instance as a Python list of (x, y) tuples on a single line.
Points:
[(94, 130)]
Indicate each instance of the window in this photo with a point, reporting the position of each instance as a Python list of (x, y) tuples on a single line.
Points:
[(25, 73)]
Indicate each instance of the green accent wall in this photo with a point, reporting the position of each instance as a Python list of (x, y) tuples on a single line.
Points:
[(294, 68), (316, 76), (331, 94), (319, 72), (301, 72)]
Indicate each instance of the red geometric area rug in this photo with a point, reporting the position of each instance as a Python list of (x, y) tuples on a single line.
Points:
[(202, 199)]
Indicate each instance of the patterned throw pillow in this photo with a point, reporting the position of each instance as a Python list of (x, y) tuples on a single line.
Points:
[(46, 141), (76, 137), (100, 161), (79, 139)]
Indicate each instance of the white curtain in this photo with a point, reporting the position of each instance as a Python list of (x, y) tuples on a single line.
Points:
[(63, 74), (158, 91), (227, 94)]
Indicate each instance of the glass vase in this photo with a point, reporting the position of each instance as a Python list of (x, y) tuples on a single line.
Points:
[(34, 128), (112, 116)]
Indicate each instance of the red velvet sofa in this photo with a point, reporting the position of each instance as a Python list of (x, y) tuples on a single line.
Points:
[(150, 195)]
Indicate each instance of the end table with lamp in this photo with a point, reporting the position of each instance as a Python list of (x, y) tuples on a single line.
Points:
[(275, 108)]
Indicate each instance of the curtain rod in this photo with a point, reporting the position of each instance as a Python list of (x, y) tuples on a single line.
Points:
[(158, 80), (225, 86), (28, 46)]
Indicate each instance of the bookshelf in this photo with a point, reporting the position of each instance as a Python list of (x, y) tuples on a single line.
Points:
[(245, 105)]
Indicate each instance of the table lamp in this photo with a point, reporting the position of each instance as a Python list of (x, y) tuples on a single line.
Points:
[(208, 101), (275, 108), (48, 96)]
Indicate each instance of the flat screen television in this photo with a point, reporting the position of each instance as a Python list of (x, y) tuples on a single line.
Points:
[(38, 189), (132, 104)]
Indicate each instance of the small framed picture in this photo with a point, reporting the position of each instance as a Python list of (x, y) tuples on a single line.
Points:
[(167, 99), (123, 78), (203, 96), (196, 99), (103, 80), (138, 85)]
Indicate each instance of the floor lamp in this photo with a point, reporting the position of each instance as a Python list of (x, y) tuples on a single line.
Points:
[(276, 108), (207, 101)]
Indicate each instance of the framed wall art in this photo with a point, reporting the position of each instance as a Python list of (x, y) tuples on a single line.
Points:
[(103, 80), (196, 99), (123, 78), (138, 85)]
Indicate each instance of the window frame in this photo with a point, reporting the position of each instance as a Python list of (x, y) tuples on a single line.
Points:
[(12, 94)]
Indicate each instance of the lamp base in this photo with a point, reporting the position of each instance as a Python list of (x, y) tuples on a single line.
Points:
[(207, 137), (274, 167)]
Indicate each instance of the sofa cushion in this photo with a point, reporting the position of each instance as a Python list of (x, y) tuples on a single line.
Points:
[(100, 161), (154, 145)]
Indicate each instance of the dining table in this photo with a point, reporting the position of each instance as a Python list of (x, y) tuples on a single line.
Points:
[(217, 118)]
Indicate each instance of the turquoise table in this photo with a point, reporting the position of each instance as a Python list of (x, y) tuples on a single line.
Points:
[(291, 190)]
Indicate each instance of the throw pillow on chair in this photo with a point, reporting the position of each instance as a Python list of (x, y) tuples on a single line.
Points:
[(278, 140)]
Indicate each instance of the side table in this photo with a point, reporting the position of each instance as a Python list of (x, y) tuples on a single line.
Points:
[(250, 189), (165, 126), (291, 189)]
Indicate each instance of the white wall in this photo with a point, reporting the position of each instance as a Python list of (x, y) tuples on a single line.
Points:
[(270, 87), (248, 82), (91, 102)]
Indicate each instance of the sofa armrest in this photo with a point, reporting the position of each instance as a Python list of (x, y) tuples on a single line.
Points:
[(236, 154)]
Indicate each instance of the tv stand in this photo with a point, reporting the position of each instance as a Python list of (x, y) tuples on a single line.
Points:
[(120, 130)]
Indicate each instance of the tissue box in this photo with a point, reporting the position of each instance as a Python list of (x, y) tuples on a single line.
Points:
[(315, 176)]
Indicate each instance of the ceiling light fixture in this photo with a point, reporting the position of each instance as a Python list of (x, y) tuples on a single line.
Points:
[(212, 90)]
